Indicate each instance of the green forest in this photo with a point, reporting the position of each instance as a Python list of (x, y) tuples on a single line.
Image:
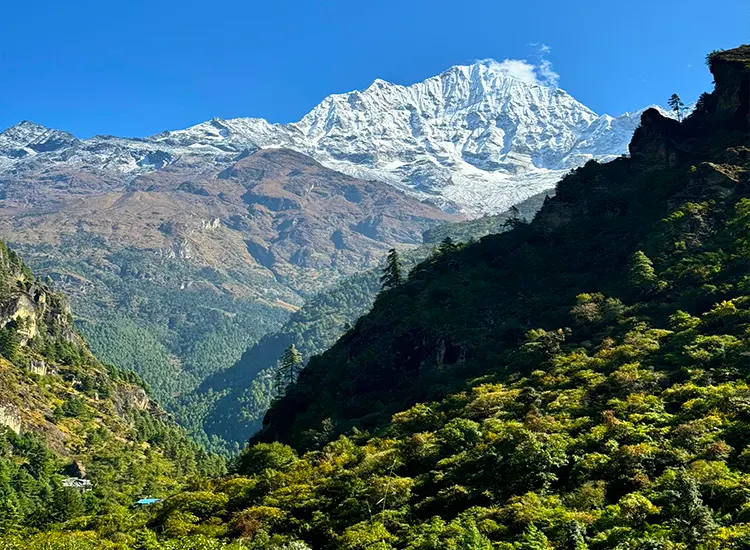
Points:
[(134, 312), (229, 405), (578, 381), (64, 415)]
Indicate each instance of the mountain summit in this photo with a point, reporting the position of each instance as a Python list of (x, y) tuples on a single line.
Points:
[(27, 138), (473, 138)]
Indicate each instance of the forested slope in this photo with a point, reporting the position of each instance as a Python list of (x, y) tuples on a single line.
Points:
[(459, 315), (63, 413), (229, 406), (578, 382)]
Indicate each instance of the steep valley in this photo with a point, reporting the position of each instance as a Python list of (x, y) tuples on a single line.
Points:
[(577, 381), (182, 250), (174, 275)]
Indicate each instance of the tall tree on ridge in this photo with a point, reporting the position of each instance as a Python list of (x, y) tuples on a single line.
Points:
[(392, 272), (676, 105), (287, 371), (447, 245)]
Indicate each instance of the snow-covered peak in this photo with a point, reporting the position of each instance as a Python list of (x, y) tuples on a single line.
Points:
[(30, 138), (481, 137)]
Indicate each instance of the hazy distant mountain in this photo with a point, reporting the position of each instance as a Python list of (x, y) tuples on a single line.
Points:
[(175, 271)]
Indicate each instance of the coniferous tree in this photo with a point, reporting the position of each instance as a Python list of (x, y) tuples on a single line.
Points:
[(447, 245), (692, 518), (641, 275), (515, 218), (288, 369), (534, 539), (9, 343), (676, 104), (392, 272), (574, 535)]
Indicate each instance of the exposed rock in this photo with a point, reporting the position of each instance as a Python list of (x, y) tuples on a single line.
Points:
[(39, 367), (653, 143), (214, 223), (284, 215), (9, 417), (731, 100), (133, 397)]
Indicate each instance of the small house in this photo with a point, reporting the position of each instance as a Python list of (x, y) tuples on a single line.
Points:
[(147, 501), (82, 485)]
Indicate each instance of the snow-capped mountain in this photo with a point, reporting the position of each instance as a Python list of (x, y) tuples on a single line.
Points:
[(26, 138), (471, 138)]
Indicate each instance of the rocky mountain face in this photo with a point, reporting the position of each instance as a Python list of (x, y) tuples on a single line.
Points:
[(472, 138), (271, 213), (175, 271), (39, 342)]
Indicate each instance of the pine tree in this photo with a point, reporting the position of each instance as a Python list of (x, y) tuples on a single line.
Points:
[(574, 535), (692, 519), (641, 275), (9, 343), (66, 504), (145, 540), (288, 369), (472, 539), (447, 245), (533, 539), (676, 105), (392, 272)]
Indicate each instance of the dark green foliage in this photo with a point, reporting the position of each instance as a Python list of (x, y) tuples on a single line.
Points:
[(393, 274), (692, 520), (9, 343), (677, 106), (447, 245), (641, 275), (265, 456), (287, 370), (73, 408)]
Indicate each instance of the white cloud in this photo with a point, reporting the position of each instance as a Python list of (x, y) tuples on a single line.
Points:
[(514, 68), (540, 74), (540, 47), (544, 69)]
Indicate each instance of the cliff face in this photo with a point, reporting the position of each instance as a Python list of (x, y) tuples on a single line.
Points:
[(63, 413), (29, 305), (45, 366), (731, 99), (470, 308)]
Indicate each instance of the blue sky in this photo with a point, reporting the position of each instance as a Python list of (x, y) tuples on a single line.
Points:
[(139, 67)]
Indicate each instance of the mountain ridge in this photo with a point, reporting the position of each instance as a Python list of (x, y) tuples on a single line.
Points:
[(174, 272), (420, 337), (472, 138), (578, 382)]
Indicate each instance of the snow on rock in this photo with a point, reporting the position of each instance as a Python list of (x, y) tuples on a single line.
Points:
[(472, 138)]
